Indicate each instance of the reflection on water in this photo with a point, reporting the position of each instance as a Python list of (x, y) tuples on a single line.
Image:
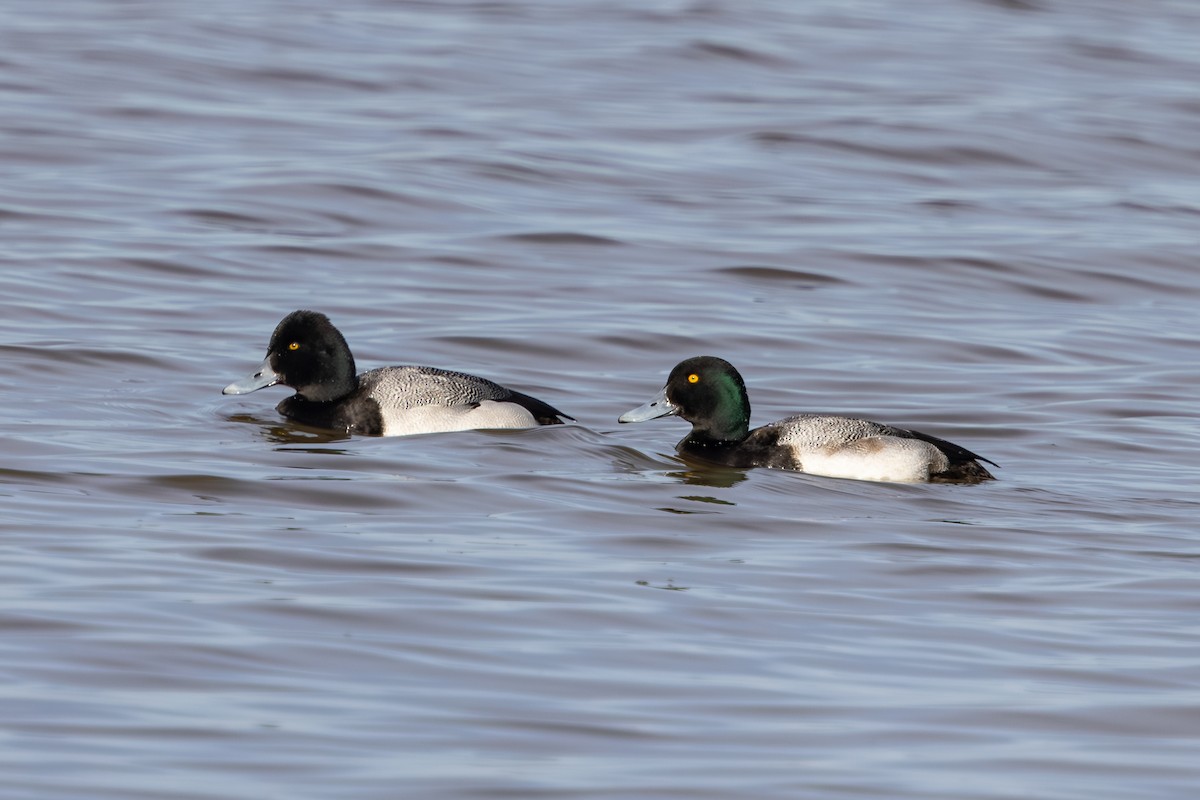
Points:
[(277, 432), (700, 473), (701, 499)]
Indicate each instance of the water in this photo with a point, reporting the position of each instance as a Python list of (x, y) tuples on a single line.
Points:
[(977, 219)]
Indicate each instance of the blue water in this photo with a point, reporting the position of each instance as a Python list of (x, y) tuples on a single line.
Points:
[(975, 219)]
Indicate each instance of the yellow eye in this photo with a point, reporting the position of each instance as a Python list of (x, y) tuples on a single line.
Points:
[(693, 378), (294, 346)]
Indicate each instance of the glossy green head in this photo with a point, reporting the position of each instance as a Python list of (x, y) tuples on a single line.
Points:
[(706, 391)]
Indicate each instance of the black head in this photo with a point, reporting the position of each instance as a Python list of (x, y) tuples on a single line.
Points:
[(310, 355)]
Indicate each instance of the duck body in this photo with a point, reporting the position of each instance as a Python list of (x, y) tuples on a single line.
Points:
[(406, 400), (710, 393), (310, 355), (845, 447)]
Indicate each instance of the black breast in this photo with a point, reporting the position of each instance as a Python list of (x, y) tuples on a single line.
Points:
[(354, 414)]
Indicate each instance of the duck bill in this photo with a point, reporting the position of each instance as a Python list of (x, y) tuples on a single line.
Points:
[(264, 377), (660, 406)]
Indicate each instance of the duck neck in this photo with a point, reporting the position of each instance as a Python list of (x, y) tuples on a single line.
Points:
[(336, 379), (725, 419)]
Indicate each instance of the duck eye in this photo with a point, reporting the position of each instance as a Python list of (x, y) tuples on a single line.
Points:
[(294, 346), (693, 378)]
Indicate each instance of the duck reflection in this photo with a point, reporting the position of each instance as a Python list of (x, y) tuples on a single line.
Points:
[(276, 432)]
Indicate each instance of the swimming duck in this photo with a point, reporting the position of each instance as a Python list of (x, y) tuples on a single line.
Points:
[(709, 393), (309, 354)]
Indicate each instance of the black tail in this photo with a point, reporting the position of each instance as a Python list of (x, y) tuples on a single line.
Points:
[(964, 464), (963, 472), (544, 413)]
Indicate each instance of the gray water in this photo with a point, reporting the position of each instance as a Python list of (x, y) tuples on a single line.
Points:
[(977, 219)]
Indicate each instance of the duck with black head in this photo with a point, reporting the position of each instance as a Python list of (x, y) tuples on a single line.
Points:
[(310, 355)]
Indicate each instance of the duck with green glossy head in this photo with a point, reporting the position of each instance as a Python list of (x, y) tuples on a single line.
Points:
[(709, 393)]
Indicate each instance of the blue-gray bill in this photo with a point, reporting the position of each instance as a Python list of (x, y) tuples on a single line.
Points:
[(660, 406), (264, 377)]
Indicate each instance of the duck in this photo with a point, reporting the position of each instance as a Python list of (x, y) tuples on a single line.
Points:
[(308, 354), (709, 393)]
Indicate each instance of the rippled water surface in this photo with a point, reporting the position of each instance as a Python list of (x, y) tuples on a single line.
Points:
[(978, 219)]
